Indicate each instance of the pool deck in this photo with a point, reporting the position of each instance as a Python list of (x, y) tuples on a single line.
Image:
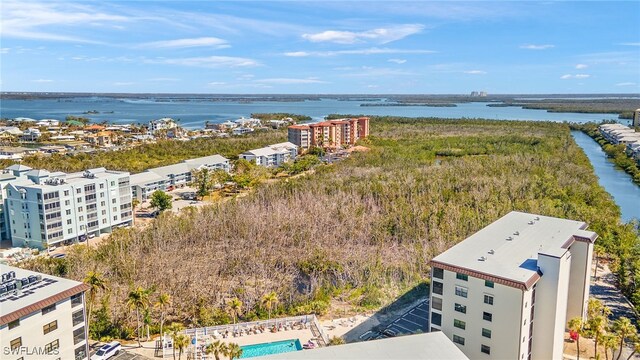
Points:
[(303, 335)]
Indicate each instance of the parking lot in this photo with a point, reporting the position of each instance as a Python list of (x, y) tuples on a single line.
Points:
[(416, 320), (124, 355)]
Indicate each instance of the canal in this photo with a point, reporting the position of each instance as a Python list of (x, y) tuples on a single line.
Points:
[(617, 183)]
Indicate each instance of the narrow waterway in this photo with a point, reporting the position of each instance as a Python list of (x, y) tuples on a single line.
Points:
[(618, 183)]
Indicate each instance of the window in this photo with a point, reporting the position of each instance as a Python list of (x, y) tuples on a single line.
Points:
[(16, 343), (458, 339), (438, 273), (66, 193), (101, 186), (115, 218), (462, 277), (78, 335), (48, 309), (68, 221), (436, 303), (488, 283), (14, 324), (485, 349), (50, 327), (113, 201), (461, 291), (488, 299), (459, 324), (76, 300), (460, 308), (52, 346), (78, 317), (487, 316), (67, 202), (81, 353), (79, 200), (486, 333), (437, 288), (78, 190), (436, 319), (79, 208)]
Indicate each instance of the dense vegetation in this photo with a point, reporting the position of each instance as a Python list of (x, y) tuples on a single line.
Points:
[(623, 107), (164, 152), (362, 230), (617, 153), (280, 116)]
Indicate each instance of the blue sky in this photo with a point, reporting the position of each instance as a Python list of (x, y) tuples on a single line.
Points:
[(388, 47)]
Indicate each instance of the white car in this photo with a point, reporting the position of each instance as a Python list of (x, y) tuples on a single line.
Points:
[(107, 351)]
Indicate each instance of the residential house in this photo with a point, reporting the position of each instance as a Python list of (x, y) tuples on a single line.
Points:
[(272, 155)]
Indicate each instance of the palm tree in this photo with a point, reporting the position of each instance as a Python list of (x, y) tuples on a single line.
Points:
[(597, 315), (96, 283), (623, 329), (174, 331), (164, 300), (146, 320), (636, 346), (234, 351), (235, 307), (610, 341), (269, 300), (576, 326), (138, 299), (181, 342), (216, 348)]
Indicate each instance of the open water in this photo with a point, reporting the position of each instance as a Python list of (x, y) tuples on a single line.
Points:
[(193, 114)]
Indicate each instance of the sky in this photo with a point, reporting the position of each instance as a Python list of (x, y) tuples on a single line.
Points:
[(328, 47)]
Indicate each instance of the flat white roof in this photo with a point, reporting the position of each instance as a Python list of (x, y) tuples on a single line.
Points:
[(35, 296), (144, 178), (429, 346), (510, 245)]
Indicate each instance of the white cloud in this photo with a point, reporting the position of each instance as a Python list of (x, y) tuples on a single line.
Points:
[(208, 61), (380, 35), (163, 79), (369, 51), (123, 83), (576, 76), (368, 71), (537, 47), (186, 43), (630, 44), (475, 72), (626, 84), (30, 20), (4, 50), (397, 61), (216, 83), (42, 81), (581, 66), (290, 81)]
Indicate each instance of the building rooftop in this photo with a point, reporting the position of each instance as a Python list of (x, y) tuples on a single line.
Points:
[(72, 178), (213, 159), (508, 248), (145, 178), (40, 291), (301, 127), (430, 346)]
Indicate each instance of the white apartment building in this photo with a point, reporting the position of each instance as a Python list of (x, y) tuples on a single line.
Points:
[(272, 155), (161, 124), (168, 177), (41, 316), (507, 291), (47, 208)]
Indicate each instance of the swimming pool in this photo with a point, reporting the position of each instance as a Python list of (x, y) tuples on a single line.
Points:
[(277, 347)]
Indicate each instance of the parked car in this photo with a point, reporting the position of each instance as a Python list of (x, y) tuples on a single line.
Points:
[(106, 351), (58, 256)]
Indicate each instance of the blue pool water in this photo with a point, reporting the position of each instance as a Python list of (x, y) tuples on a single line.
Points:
[(277, 347)]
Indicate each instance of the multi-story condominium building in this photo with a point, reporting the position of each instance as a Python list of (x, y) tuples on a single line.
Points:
[(45, 208), (161, 124), (41, 316), (619, 134), (507, 291), (272, 155), (168, 177), (300, 135), (329, 134)]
